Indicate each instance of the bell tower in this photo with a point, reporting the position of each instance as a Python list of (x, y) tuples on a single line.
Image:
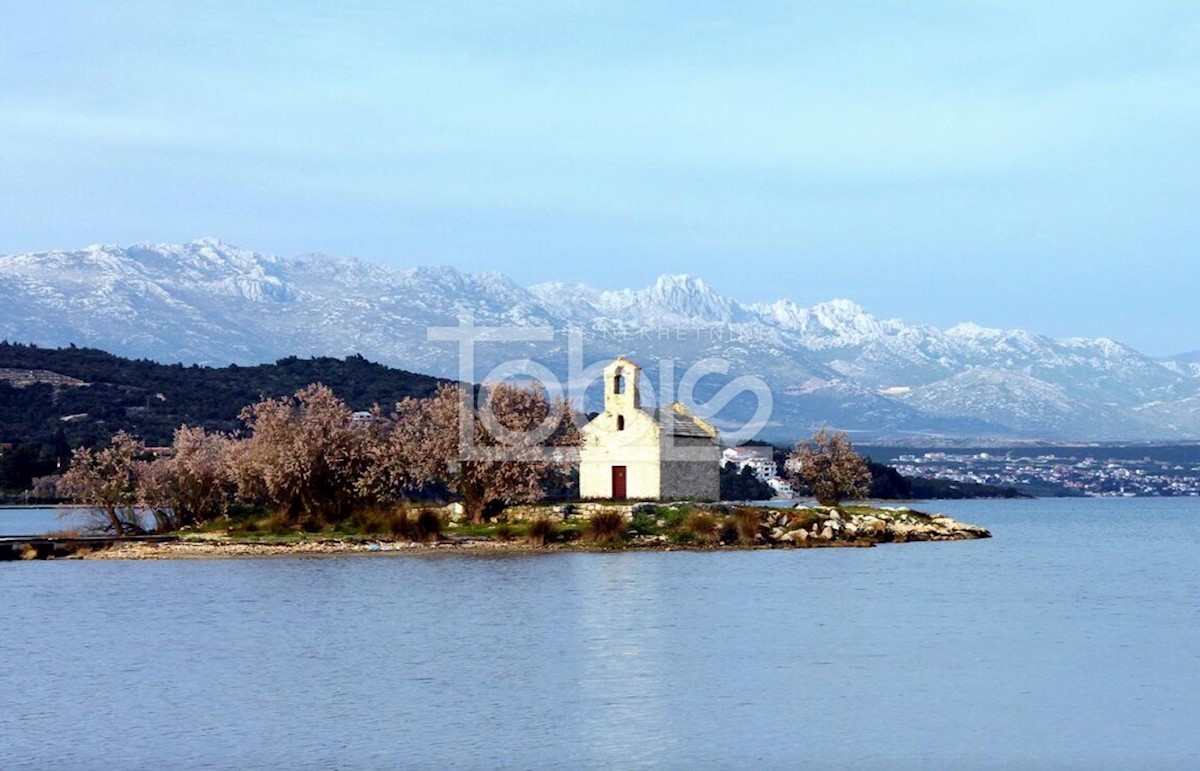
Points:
[(621, 382)]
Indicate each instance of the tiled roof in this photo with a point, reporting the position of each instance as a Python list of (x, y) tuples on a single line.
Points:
[(680, 423)]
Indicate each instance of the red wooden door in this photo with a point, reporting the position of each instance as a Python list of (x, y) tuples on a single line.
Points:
[(618, 483)]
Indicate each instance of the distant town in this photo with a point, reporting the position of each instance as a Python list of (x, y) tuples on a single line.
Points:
[(1061, 471)]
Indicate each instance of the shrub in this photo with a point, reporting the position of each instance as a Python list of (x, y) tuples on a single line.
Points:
[(312, 523), (428, 526), (747, 521), (702, 525), (672, 516), (369, 520), (397, 523), (729, 531), (278, 523), (542, 530), (503, 532), (643, 522), (606, 527), (243, 510), (376, 520)]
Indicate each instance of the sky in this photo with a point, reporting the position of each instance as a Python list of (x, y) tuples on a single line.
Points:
[(1016, 164)]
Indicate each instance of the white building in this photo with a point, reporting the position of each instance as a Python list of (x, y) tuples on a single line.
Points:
[(661, 454), (761, 460)]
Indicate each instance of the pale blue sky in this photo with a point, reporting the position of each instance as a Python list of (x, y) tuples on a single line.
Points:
[(1017, 164)]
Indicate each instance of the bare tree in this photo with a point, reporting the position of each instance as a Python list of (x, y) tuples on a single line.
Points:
[(508, 447), (107, 481), (303, 456), (47, 486), (191, 486), (831, 468)]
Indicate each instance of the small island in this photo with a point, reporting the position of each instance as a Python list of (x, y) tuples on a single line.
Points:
[(590, 526)]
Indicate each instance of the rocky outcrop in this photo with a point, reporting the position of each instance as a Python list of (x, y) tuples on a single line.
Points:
[(813, 526), (862, 526)]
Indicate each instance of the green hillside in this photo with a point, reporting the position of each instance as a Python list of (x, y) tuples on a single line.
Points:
[(79, 396)]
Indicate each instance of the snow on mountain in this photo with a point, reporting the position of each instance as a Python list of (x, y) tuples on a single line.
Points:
[(833, 363), (833, 324), (673, 299)]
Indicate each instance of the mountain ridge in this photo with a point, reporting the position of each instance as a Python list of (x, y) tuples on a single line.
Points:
[(833, 363)]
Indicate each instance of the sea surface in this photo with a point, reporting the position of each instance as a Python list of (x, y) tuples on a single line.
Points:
[(48, 519), (33, 521), (1069, 640)]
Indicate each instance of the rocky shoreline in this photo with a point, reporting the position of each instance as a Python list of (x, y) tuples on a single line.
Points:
[(809, 527)]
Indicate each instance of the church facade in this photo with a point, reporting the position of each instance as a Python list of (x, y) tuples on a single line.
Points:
[(646, 454)]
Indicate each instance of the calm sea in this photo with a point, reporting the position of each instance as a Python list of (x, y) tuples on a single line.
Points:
[(1070, 640), (40, 520)]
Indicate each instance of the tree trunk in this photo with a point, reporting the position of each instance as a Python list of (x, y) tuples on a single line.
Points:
[(473, 502), (117, 526)]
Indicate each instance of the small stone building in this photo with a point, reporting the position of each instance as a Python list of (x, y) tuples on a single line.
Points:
[(632, 453)]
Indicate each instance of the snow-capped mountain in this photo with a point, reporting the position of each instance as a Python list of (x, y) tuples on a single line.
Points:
[(832, 363)]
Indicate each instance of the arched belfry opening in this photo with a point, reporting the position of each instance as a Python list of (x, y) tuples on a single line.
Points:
[(621, 387)]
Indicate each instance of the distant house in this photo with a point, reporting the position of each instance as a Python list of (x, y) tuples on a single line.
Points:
[(761, 462), (660, 454)]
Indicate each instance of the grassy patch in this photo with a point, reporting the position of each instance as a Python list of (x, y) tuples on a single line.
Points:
[(481, 529), (572, 531), (644, 523), (673, 516)]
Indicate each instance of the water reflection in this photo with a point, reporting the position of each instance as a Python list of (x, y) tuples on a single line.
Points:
[(624, 627)]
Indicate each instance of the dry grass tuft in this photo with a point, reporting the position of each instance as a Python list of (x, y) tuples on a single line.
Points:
[(606, 527), (748, 520), (702, 526), (542, 531)]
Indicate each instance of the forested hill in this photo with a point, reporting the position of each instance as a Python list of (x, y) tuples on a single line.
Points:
[(82, 395)]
